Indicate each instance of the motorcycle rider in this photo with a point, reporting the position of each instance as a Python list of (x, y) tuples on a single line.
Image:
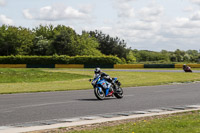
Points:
[(106, 77), (186, 68)]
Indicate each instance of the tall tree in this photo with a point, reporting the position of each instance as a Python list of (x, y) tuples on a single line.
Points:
[(179, 55), (45, 31), (42, 46), (15, 40), (65, 43), (109, 45), (87, 45)]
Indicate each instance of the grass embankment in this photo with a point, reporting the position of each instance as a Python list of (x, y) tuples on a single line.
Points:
[(180, 123), (41, 80), (37, 80), (35, 75)]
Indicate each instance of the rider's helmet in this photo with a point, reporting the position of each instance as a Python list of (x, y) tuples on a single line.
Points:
[(97, 70), (184, 66)]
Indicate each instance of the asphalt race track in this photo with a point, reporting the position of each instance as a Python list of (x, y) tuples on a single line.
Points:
[(33, 107)]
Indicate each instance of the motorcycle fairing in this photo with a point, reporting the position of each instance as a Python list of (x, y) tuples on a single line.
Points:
[(104, 84)]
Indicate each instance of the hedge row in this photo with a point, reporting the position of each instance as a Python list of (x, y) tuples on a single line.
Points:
[(94, 60)]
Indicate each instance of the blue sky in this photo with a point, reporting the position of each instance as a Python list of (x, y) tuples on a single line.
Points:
[(143, 24)]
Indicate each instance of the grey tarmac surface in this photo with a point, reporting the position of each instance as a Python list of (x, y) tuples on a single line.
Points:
[(16, 109)]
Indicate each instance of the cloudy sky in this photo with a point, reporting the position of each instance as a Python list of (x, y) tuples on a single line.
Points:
[(143, 24)]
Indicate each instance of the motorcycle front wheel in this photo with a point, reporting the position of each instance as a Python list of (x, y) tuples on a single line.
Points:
[(98, 94)]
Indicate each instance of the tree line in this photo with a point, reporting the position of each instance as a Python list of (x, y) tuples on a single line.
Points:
[(167, 56), (62, 40)]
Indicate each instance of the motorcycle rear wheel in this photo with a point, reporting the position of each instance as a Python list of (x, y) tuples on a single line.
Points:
[(119, 93), (98, 94)]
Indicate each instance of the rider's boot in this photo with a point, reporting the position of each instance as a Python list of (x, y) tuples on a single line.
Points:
[(111, 93)]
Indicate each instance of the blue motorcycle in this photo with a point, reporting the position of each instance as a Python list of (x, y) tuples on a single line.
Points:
[(103, 89)]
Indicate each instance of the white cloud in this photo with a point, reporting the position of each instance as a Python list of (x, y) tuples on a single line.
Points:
[(27, 14), (195, 2), (73, 13), (152, 29), (150, 13), (188, 9), (178, 33), (87, 8), (124, 8), (56, 13), (196, 16), (5, 20), (125, 11), (2, 2), (105, 28), (124, 1), (140, 26)]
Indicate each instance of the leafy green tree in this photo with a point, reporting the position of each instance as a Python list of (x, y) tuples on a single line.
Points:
[(179, 55), (65, 43), (4, 47), (130, 57), (193, 55), (25, 39), (15, 40), (42, 46), (63, 40), (47, 32), (109, 45), (88, 45), (145, 55), (198, 59), (173, 58), (186, 58)]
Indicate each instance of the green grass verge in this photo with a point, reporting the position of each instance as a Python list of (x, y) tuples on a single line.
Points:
[(185, 123), (35, 75), (133, 79), (77, 79)]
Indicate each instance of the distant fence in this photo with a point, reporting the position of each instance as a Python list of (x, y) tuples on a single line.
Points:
[(13, 66), (133, 66), (128, 66), (115, 66), (191, 65)]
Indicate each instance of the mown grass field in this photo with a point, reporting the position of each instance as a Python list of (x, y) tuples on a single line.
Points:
[(184, 123), (41, 80), (35, 75)]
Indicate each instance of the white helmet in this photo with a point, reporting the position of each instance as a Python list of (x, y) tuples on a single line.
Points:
[(97, 70)]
